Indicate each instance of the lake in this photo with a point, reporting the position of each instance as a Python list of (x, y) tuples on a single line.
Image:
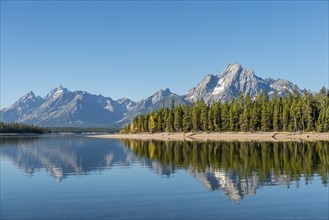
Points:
[(76, 177)]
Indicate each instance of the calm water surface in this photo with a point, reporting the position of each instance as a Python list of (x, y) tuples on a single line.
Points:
[(76, 177)]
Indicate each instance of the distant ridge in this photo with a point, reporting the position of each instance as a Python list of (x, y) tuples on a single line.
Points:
[(61, 107)]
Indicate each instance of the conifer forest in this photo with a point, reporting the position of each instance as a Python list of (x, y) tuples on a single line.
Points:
[(295, 112)]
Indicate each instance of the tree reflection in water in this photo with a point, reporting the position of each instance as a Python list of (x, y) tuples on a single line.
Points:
[(235, 168), (239, 168)]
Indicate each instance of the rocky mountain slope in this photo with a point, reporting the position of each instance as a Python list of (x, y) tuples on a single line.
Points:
[(234, 79), (61, 107)]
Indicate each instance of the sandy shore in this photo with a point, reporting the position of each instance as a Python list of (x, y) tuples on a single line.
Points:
[(226, 136)]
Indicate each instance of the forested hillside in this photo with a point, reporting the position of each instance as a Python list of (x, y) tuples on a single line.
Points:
[(293, 112)]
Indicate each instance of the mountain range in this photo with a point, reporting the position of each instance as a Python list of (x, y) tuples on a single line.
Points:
[(64, 108)]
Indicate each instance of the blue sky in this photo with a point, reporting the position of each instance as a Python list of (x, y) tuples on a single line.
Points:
[(132, 49)]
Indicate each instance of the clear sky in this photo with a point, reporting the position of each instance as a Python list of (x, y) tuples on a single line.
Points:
[(132, 49)]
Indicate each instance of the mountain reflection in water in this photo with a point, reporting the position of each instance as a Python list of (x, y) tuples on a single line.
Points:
[(64, 156), (237, 169)]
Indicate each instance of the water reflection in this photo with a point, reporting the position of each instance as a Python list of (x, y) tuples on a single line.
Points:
[(64, 156), (238, 168), (234, 168)]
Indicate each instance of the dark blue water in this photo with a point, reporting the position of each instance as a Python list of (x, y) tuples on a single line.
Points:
[(76, 177)]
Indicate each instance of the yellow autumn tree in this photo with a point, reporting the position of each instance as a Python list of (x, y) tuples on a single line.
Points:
[(152, 124)]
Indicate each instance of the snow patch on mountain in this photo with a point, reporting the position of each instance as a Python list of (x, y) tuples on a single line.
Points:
[(220, 87)]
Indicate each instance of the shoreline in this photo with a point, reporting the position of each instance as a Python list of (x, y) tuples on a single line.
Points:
[(20, 134), (222, 136)]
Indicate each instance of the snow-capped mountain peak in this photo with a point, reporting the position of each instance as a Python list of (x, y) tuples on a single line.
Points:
[(232, 80), (57, 92)]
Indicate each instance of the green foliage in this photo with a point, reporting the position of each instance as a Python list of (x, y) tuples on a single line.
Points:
[(293, 112), (21, 128)]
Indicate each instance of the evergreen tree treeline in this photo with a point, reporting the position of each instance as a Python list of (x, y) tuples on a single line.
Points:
[(293, 112), (21, 128)]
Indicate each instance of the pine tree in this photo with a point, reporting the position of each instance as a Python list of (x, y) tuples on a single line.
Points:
[(203, 116), (255, 122), (266, 121), (195, 118), (277, 112), (245, 116), (170, 121), (211, 117), (309, 111), (265, 117), (234, 112), (178, 119), (294, 114), (165, 114), (322, 103), (159, 121), (187, 123), (217, 117), (225, 117), (286, 113)]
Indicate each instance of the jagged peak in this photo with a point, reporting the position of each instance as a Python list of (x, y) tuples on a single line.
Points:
[(234, 65), (160, 94), (167, 91), (29, 95), (58, 91), (209, 76), (124, 100), (163, 92), (231, 69), (58, 88), (269, 79)]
